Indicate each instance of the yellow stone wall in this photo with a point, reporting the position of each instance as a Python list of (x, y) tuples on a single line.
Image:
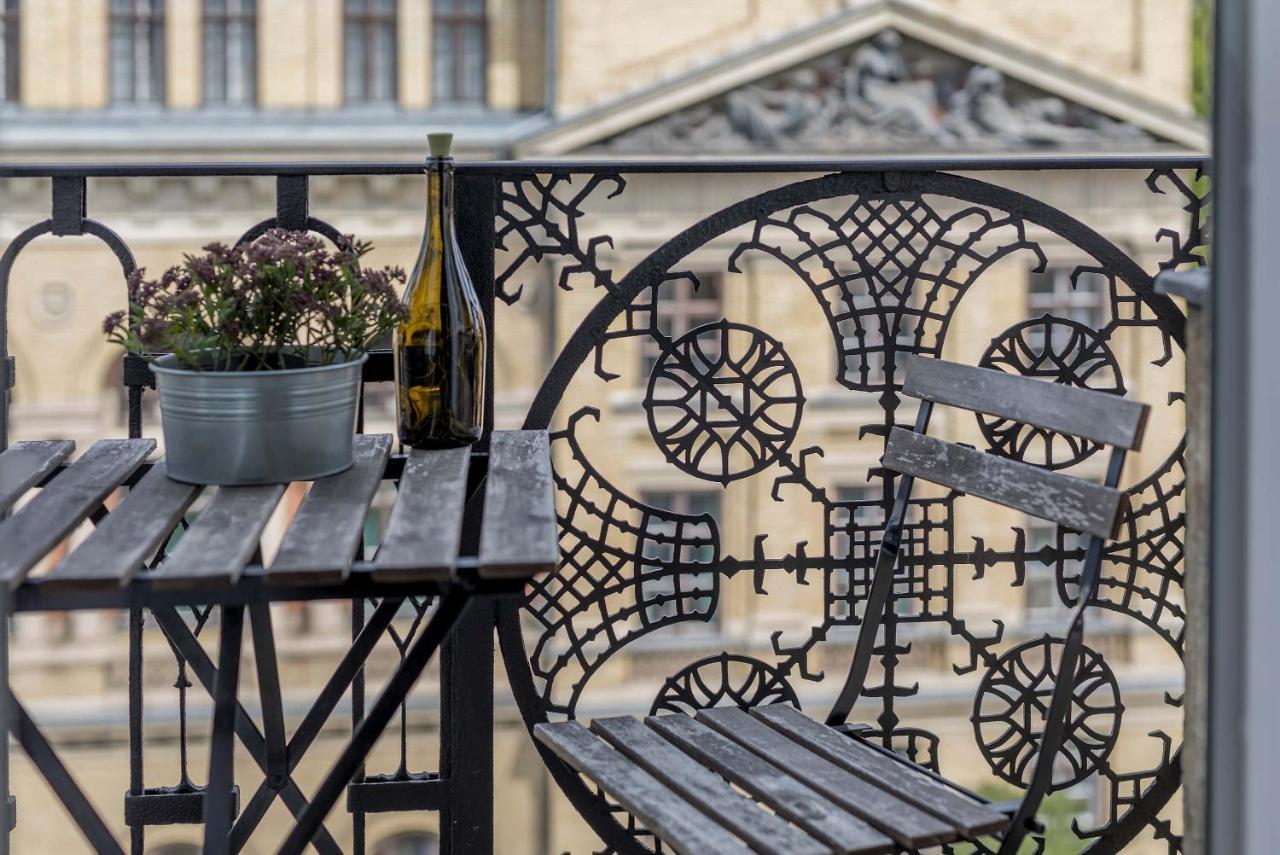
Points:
[(61, 288)]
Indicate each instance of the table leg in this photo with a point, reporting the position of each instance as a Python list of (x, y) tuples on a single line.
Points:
[(217, 801)]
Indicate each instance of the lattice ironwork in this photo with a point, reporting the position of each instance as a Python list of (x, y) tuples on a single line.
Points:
[(890, 260)]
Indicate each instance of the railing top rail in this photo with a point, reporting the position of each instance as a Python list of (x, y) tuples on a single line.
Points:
[(956, 163)]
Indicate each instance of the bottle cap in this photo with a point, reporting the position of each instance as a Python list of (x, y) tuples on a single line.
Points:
[(440, 144)]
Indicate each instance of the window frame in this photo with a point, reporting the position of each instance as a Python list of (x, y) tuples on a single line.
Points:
[(372, 17), (458, 21), (1039, 576), (1064, 300), (684, 309), (244, 20), (144, 24), (10, 51)]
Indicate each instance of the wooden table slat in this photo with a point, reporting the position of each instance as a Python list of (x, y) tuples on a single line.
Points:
[(64, 503), (223, 538), (425, 529), (519, 536), (25, 464), (325, 533), (677, 823), (777, 788), (766, 832), (906, 781), (909, 826), (129, 535)]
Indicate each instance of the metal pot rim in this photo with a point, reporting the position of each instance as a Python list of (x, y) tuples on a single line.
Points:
[(168, 364)]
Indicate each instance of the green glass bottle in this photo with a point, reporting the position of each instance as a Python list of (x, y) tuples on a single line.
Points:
[(440, 344)]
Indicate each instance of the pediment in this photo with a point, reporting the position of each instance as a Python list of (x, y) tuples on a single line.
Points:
[(886, 94), (897, 82)]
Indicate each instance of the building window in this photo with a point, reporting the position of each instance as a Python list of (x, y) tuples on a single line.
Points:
[(230, 51), (691, 593), (370, 28), (460, 47), (679, 309), (9, 51), (1051, 292), (1042, 600), (413, 843), (137, 51)]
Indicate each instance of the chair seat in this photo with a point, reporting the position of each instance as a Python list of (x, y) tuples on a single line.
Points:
[(810, 788)]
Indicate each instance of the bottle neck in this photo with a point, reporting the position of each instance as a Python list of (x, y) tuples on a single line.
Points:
[(440, 196)]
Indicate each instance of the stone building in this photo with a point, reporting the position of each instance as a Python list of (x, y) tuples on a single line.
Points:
[(228, 80)]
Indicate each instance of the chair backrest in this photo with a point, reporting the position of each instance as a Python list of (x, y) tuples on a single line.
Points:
[(1071, 502), (1075, 503)]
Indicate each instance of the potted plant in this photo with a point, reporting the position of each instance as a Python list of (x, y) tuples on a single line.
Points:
[(257, 351)]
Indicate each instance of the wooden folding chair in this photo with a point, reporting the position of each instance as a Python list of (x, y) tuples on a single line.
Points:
[(821, 788)]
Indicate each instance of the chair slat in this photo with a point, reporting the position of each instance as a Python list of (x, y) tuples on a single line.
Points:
[(323, 537), (77, 492), (1071, 502), (679, 825), (909, 826), (519, 536), (766, 832), (128, 536), (1087, 413), (222, 540), (25, 464), (776, 788), (898, 775), (425, 528)]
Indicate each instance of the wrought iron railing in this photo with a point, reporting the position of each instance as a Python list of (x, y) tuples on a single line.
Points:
[(890, 250)]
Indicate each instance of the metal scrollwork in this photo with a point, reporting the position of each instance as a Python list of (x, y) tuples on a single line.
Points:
[(890, 260), (723, 401), (724, 680), (1057, 349)]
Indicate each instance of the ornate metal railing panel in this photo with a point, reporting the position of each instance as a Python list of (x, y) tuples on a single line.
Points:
[(890, 253), (889, 256)]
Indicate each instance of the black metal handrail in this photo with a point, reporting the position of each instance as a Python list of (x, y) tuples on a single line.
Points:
[(890, 177), (943, 163)]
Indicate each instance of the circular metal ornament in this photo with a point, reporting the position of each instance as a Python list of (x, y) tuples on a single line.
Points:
[(1057, 349), (723, 401), (725, 680), (1014, 696)]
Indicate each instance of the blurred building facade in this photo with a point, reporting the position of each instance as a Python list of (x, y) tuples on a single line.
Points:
[(174, 80)]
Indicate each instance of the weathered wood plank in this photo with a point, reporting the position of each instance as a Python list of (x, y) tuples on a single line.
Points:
[(322, 540), (128, 536), (38, 526), (707, 791), (222, 539), (676, 822), (1099, 416), (519, 536), (903, 779), (25, 464), (775, 787), (1072, 502), (909, 826), (425, 528)]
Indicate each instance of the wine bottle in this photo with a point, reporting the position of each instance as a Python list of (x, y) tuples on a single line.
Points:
[(440, 343)]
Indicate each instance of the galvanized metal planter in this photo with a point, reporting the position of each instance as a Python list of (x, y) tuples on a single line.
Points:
[(258, 427)]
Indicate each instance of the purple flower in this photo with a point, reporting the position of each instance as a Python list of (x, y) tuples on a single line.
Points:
[(282, 291)]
